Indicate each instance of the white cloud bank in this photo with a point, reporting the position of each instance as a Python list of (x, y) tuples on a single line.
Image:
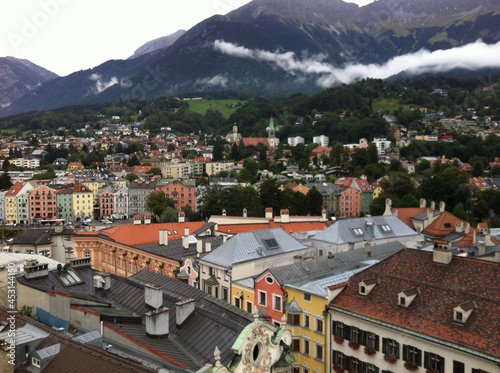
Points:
[(101, 85), (472, 56)]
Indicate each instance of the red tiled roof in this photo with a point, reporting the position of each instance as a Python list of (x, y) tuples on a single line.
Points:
[(301, 226), (442, 289), (14, 189), (143, 234), (443, 225), (254, 141), (405, 214)]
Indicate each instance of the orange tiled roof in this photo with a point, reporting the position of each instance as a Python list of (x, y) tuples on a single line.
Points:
[(254, 141), (14, 189), (443, 225), (405, 214), (134, 235), (442, 289), (301, 226)]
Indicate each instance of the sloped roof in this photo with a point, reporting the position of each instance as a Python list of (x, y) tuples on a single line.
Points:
[(347, 230), (442, 289), (253, 245), (443, 225), (72, 356), (143, 234)]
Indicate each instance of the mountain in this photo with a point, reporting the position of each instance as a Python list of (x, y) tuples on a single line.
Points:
[(276, 47), (18, 77), (160, 43)]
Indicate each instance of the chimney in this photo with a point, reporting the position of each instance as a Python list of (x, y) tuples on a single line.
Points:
[(481, 247), (331, 260), (153, 296), (137, 220), (430, 215), (422, 203), (199, 246), (459, 227), (182, 217), (433, 205), (32, 269), (157, 322), (223, 212), (323, 214), (441, 206), (368, 248), (147, 219), (185, 238), (224, 238), (208, 247), (163, 237), (466, 228), (285, 216), (442, 252), (245, 213), (269, 213), (351, 245), (388, 207), (183, 310)]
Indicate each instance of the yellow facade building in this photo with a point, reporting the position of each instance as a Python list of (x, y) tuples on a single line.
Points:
[(83, 202)]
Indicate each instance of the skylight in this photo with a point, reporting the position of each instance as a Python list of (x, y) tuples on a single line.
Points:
[(358, 231), (385, 228), (271, 243), (68, 277)]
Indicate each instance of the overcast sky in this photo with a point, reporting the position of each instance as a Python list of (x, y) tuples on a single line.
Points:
[(70, 35)]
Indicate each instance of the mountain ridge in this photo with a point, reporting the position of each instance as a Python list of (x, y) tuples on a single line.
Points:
[(274, 48)]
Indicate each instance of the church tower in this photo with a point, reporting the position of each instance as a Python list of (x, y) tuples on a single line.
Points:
[(271, 137)]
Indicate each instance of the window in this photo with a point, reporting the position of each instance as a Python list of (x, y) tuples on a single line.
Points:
[(306, 347), (237, 302), (249, 307), (307, 297), (87, 254), (478, 371), (319, 325), (306, 321), (295, 370), (402, 301), (370, 368), (390, 346), (355, 334), (35, 362), (262, 298), (277, 303), (412, 354), (318, 352), (434, 361), (294, 319), (296, 345)]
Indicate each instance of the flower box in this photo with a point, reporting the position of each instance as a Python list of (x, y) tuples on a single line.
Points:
[(411, 366), (390, 358), (354, 345), (338, 339), (369, 350)]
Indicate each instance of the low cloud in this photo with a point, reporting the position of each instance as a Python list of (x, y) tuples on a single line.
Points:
[(472, 56), (101, 85), (218, 80)]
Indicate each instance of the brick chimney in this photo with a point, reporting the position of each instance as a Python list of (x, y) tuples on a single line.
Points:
[(388, 207), (285, 216), (163, 237), (153, 296), (157, 322), (442, 252), (183, 310), (269, 213)]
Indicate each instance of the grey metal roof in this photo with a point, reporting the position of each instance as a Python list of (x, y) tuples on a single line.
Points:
[(25, 334), (248, 282), (364, 228), (213, 323), (253, 245), (423, 216), (293, 306), (175, 250), (49, 352)]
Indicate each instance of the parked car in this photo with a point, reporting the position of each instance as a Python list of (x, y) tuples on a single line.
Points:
[(106, 221)]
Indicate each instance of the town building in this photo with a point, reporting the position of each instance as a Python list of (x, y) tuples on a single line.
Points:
[(42, 203), (412, 312), (321, 140), (138, 193), (349, 234), (182, 192)]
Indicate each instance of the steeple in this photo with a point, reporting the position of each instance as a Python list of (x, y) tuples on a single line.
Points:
[(271, 134)]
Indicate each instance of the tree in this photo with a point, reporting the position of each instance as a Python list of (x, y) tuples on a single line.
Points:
[(5, 182), (218, 153), (131, 177), (314, 201), (133, 161), (271, 196), (157, 202), (155, 171), (169, 215)]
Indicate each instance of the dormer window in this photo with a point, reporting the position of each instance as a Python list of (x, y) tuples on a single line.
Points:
[(406, 297), (35, 362), (463, 311), (366, 286)]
